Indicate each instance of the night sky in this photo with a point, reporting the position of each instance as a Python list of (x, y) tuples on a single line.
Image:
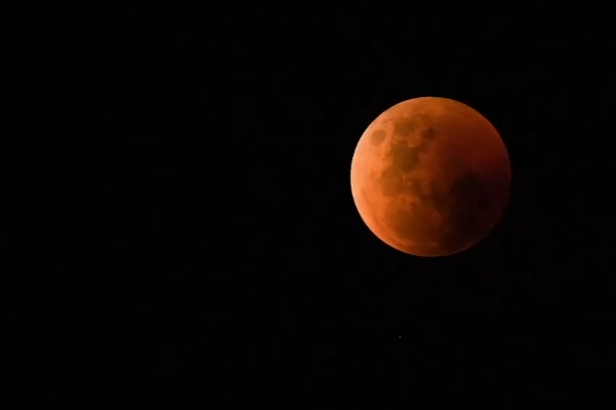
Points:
[(197, 242)]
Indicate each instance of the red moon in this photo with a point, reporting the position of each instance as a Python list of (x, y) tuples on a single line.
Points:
[(430, 177)]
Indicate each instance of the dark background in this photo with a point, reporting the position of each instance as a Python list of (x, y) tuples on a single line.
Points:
[(195, 239)]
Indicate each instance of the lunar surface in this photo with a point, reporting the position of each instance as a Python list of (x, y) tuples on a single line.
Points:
[(430, 176)]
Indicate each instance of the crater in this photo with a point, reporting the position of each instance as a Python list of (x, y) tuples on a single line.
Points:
[(402, 158), (377, 137), (406, 126)]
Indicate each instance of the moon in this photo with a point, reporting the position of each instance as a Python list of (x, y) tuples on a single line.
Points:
[(430, 177)]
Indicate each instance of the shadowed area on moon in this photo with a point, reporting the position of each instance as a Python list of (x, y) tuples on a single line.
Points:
[(461, 204)]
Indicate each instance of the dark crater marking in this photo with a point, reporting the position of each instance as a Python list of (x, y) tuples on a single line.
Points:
[(378, 137), (403, 159)]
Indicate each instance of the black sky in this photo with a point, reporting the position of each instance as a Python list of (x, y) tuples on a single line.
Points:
[(198, 242)]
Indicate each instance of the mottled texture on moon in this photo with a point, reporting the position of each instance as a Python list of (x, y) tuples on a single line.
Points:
[(430, 176)]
